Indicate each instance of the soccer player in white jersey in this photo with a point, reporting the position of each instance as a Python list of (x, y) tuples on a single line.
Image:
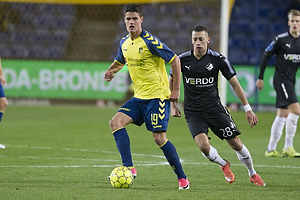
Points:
[(3, 100), (145, 56), (286, 47), (203, 109)]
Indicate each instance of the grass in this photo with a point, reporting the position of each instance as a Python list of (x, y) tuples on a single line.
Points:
[(66, 152)]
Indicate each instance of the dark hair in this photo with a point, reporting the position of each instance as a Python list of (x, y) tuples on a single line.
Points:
[(134, 8), (200, 28)]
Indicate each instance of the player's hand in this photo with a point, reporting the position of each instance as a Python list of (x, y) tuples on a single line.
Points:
[(174, 97), (251, 118), (259, 84), (175, 112), (109, 75)]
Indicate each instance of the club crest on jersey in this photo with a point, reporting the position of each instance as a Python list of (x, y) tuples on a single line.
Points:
[(141, 50), (209, 66)]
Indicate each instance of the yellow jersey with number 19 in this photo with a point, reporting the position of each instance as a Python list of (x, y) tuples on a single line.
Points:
[(145, 57)]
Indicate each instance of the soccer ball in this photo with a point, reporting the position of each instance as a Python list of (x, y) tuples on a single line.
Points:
[(121, 177)]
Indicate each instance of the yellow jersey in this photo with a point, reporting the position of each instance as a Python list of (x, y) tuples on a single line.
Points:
[(145, 57)]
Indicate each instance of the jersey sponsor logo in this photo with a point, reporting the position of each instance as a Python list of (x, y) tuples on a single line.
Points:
[(292, 57), (209, 66), (136, 62), (288, 45), (188, 67), (199, 81)]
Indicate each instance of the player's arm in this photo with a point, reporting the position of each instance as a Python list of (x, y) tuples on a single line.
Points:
[(175, 87), (2, 79), (271, 49), (175, 112), (260, 82), (114, 68), (250, 115)]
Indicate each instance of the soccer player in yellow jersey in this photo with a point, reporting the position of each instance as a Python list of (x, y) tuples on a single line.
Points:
[(3, 100), (145, 56)]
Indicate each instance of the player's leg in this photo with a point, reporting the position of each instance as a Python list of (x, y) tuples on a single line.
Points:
[(156, 120), (287, 100), (212, 155), (199, 128), (170, 153), (117, 125), (290, 130), (244, 156), (127, 114), (3, 104), (172, 157), (276, 132), (207, 150)]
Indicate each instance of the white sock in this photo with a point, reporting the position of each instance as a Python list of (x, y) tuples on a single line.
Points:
[(276, 132), (245, 158), (214, 156), (290, 129)]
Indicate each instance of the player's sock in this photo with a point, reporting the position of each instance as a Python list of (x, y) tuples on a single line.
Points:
[(173, 159), (1, 114), (290, 129), (214, 156), (276, 132), (123, 144), (245, 158)]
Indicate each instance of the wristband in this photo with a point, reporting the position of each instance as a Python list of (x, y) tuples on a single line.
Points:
[(247, 108)]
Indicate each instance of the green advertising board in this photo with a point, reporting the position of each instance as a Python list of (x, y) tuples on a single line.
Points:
[(85, 80), (247, 78), (62, 79)]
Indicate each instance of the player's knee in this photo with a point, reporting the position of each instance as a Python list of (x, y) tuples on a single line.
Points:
[(159, 138), (158, 141), (235, 143), (204, 148), (297, 112), (113, 124), (236, 147)]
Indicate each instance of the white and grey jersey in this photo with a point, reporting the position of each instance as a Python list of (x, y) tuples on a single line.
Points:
[(200, 79)]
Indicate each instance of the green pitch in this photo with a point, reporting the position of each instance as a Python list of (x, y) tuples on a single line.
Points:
[(66, 152)]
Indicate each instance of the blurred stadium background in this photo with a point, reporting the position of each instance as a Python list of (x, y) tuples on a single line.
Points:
[(58, 52)]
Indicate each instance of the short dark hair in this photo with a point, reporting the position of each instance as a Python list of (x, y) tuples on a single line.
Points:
[(200, 28), (134, 8)]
